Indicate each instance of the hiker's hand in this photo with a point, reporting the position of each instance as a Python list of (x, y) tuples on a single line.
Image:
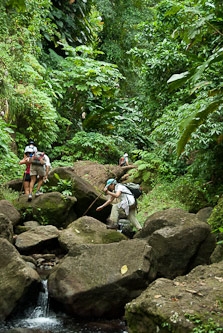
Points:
[(99, 208), (105, 190)]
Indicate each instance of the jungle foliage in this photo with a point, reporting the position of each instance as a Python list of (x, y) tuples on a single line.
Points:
[(88, 79)]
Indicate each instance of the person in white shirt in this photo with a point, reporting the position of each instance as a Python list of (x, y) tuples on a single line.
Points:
[(126, 202), (39, 170)]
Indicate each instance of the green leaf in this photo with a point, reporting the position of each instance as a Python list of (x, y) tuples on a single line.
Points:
[(197, 119)]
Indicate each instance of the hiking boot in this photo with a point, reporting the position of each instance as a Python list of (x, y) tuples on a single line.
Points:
[(30, 197), (38, 193)]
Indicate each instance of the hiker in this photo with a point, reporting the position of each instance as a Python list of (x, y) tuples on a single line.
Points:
[(31, 144), (39, 170), (124, 160), (26, 160), (126, 202)]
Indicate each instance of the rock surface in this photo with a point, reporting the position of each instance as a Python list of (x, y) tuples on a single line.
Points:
[(87, 230), (180, 241), (10, 211), (97, 280), (49, 208), (31, 241), (177, 305), (17, 278)]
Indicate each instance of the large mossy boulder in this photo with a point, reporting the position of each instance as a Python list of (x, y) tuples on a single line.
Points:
[(49, 208), (87, 230), (18, 279)]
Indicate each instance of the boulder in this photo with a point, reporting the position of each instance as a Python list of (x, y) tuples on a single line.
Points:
[(37, 239), (204, 213), (97, 174), (186, 304), (18, 279), (98, 280), (87, 230), (49, 208), (88, 197), (8, 209), (15, 184), (180, 241), (6, 228)]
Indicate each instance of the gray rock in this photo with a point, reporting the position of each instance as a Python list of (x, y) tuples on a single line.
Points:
[(88, 197), (10, 211), (176, 305), (49, 208), (37, 239), (87, 230), (180, 241), (204, 213), (98, 280), (6, 228), (17, 278)]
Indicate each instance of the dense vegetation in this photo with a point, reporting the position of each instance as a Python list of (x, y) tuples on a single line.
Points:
[(90, 79)]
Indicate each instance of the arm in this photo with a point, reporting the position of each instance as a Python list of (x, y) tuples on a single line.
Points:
[(108, 202), (47, 172), (25, 160), (113, 196)]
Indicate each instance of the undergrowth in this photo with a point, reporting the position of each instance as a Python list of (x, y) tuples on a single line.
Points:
[(159, 198)]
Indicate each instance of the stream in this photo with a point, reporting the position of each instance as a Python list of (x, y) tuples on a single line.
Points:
[(41, 317)]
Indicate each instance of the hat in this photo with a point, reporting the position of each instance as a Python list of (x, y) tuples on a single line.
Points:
[(111, 181), (28, 149), (31, 142)]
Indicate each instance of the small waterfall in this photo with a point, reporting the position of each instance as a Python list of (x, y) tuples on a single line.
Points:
[(40, 316), (42, 307)]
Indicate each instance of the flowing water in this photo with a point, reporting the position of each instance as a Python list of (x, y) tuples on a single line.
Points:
[(45, 320)]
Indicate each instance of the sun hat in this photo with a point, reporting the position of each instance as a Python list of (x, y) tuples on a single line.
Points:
[(28, 149), (111, 181)]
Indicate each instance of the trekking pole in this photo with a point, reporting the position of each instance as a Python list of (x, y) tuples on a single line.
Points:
[(23, 179), (92, 203)]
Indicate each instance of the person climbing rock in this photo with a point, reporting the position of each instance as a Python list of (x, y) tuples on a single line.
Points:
[(126, 202)]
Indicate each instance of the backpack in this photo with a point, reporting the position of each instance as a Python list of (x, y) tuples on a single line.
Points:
[(135, 189), (122, 161), (38, 158)]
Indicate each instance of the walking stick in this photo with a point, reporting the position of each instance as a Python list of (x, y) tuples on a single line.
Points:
[(23, 179), (92, 203)]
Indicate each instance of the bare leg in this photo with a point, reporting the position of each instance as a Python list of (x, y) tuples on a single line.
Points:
[(40, 182), (26, 187), (32, 183)]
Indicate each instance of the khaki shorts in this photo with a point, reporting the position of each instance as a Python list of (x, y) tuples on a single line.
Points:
[(37, 170)]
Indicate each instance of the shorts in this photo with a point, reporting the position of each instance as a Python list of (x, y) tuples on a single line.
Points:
[(27, 177), (37, 170)]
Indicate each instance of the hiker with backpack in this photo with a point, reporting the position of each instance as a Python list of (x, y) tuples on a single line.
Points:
[(124, 160), (39, 169), (127, 202)]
